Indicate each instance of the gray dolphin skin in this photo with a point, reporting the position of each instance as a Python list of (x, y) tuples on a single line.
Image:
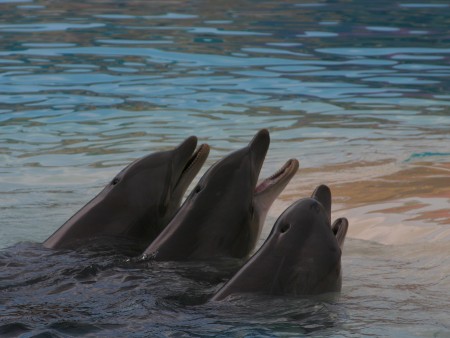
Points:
[(224, 213), (139, 202), (301, 256)]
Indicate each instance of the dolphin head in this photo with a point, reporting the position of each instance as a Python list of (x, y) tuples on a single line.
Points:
[(139, 201), (308, 246), (224, 213), (234, 177), (302, 254), (153, 186)]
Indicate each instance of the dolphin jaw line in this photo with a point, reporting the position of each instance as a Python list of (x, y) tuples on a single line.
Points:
[(276, 177), (204, 148)]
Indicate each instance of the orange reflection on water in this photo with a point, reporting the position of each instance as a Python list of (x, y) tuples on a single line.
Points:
[(384, 201)]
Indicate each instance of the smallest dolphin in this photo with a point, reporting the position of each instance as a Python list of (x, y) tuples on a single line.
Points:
[(139, 202), (301, 256)]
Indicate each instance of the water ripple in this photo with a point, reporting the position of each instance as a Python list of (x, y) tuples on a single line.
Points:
[(47, 27), (357, 91)]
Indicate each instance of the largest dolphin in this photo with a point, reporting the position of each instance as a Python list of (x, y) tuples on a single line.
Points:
[(139, 201), (224, 213), (301, 256)]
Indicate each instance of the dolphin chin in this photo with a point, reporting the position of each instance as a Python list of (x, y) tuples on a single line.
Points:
[(192, 166), (224, 213), (139, 202), (301, 256), (269, 189)]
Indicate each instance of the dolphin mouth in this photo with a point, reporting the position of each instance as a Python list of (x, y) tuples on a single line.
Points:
[(285, 172), (339, 228), (196, 160)]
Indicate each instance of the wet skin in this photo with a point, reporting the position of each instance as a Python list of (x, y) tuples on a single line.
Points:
[(225, 212), (138, 203), (301, 256)]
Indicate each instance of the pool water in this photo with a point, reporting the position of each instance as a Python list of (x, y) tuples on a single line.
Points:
[(358, 91)]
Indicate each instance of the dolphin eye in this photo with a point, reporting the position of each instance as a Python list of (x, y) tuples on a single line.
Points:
[(115, 181), (284, 228), (197, 189)]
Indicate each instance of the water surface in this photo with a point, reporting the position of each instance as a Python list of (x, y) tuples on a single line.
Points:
[(358, 91)]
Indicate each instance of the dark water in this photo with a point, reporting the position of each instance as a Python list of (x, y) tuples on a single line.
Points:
[(99, 293), (358, 91)]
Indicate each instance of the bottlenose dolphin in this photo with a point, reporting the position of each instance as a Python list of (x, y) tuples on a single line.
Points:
[(224, 213), (301, 256), (139, 201)]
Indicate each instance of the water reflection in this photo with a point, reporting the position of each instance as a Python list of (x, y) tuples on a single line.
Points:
[(357, 90)]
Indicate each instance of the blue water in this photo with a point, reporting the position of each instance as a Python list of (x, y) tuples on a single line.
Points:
[(358, 91)]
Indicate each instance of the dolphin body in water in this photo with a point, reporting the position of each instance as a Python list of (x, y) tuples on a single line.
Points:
[(225, 212), (301, 256), (139, 202)]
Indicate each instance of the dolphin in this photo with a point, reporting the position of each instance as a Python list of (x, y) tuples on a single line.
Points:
[(224, 213), (301, 256), (140, 200)]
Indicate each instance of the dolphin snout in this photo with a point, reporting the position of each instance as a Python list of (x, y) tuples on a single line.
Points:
[(258, 147), (187, 146)]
